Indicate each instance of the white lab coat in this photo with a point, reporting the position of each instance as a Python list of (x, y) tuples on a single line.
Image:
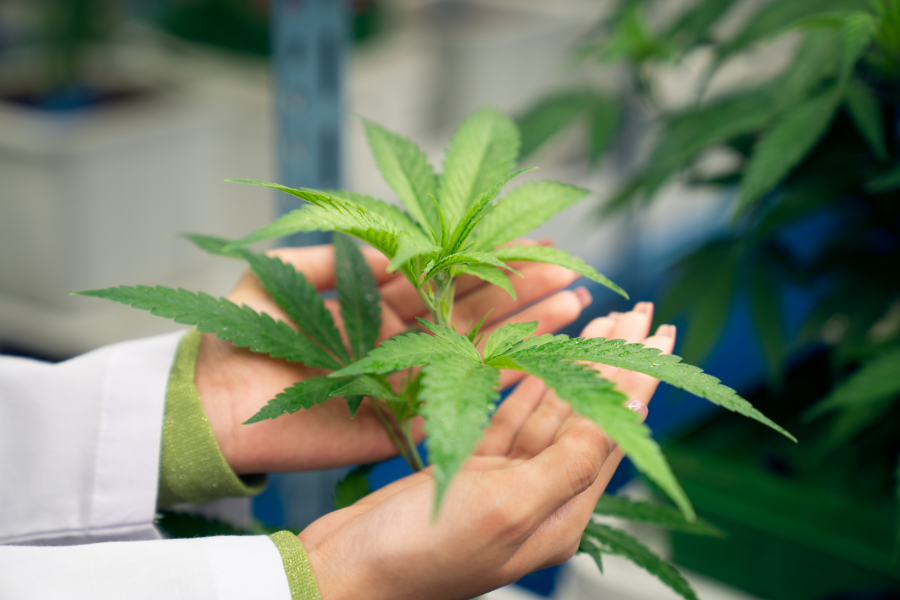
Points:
[(79, 475)]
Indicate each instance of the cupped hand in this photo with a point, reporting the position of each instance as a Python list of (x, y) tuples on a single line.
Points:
[(234, 383), (519, 504)]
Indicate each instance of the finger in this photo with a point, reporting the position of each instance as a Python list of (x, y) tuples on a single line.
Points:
[(510, 416), (540, 429), (639, 386), (565, 469), (393, 488), (634, 326), (317, 264), (538, 281), (552, 314)]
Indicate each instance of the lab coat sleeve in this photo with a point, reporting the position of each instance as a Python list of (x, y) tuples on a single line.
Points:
[(79, 467)]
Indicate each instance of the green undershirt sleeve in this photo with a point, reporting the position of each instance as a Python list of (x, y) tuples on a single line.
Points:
[(193, 469)]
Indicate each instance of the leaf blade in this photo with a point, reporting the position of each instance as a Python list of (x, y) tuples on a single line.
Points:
[(303, 395), (240, 325), (506, 337), (653, 514), (555, 256), (358, 296)]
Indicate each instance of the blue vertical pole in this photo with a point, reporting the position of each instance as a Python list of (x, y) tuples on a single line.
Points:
[(308, 43), (308, 37)]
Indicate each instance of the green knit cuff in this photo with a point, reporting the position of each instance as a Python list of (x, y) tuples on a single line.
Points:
[(192, 468), (296, 566)]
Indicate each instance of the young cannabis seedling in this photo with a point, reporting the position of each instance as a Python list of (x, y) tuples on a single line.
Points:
[(454, 225)]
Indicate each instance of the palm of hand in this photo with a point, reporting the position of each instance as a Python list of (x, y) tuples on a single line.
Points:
[(235, 383)]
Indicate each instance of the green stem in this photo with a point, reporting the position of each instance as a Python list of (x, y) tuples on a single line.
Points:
[(413, 450), (399, 442)]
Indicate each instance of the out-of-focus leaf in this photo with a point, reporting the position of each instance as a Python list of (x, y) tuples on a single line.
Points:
[(358, 296), (785, 145), (615, 541), (549, 116), (865, 110), (352, 487), (885, 182), (876, 380), (660, 515), (604, 116), (848, 423), (767, 318), (694, 25)]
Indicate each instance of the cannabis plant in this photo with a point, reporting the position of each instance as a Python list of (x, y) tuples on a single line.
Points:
[(817, 149), (453, 225)]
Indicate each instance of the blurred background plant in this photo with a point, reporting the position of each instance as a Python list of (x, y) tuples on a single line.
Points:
[(809, 164)]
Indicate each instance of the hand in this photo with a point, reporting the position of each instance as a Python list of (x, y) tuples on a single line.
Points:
[(520, 503), (235, 383)]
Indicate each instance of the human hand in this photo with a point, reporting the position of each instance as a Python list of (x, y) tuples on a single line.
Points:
[(518, 505), (234, 383)]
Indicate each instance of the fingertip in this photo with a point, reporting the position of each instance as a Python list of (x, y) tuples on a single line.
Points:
[(584, 296), (645, 308), (666, 331), (599, 327), (638, 407)]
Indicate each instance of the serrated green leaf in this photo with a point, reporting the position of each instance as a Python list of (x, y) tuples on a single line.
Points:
[(591, 549), (595, 398), (358, 296), (865, 110), (460, 342), (353, 404), (410, 350), (615, 541), (454, 421), (302, 395), (338, 216), (653, 514), (538, 340), (477, 210), (467, 258), (665, 367), (240, 325), (406, 169), (506, 337), (483, 150), (314, 197), (523, 209), (549, 116), (785, 145), (555, 256), (375, 386), (408, 248), (299, 299), (390, 214), (208, 243), (352, 487), (489, 274), (877, 379)]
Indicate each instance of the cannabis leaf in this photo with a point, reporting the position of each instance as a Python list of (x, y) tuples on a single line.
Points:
[(614, 541), (483, 150), (877, 379), (785, 145), (653, 514), (399, 221), (352, 487), (299, 299), (240, 325), (506, 337), (302, 395), (411, 349), (523, 209), (595, 398), (375, 386), (358, 296), (665, 367), (555, 256), (454, 421), (405, 168), (489, 274), (468, 258)]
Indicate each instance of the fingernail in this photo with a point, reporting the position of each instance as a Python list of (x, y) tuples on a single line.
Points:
[(635, 405), (666, 331), (643, 307), (584, 297), (545, 242)]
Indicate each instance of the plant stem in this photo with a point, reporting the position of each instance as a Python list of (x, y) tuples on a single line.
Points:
[(407, 433), (399, 442)]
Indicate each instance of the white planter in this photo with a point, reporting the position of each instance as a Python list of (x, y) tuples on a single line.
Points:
[(96, 198)]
